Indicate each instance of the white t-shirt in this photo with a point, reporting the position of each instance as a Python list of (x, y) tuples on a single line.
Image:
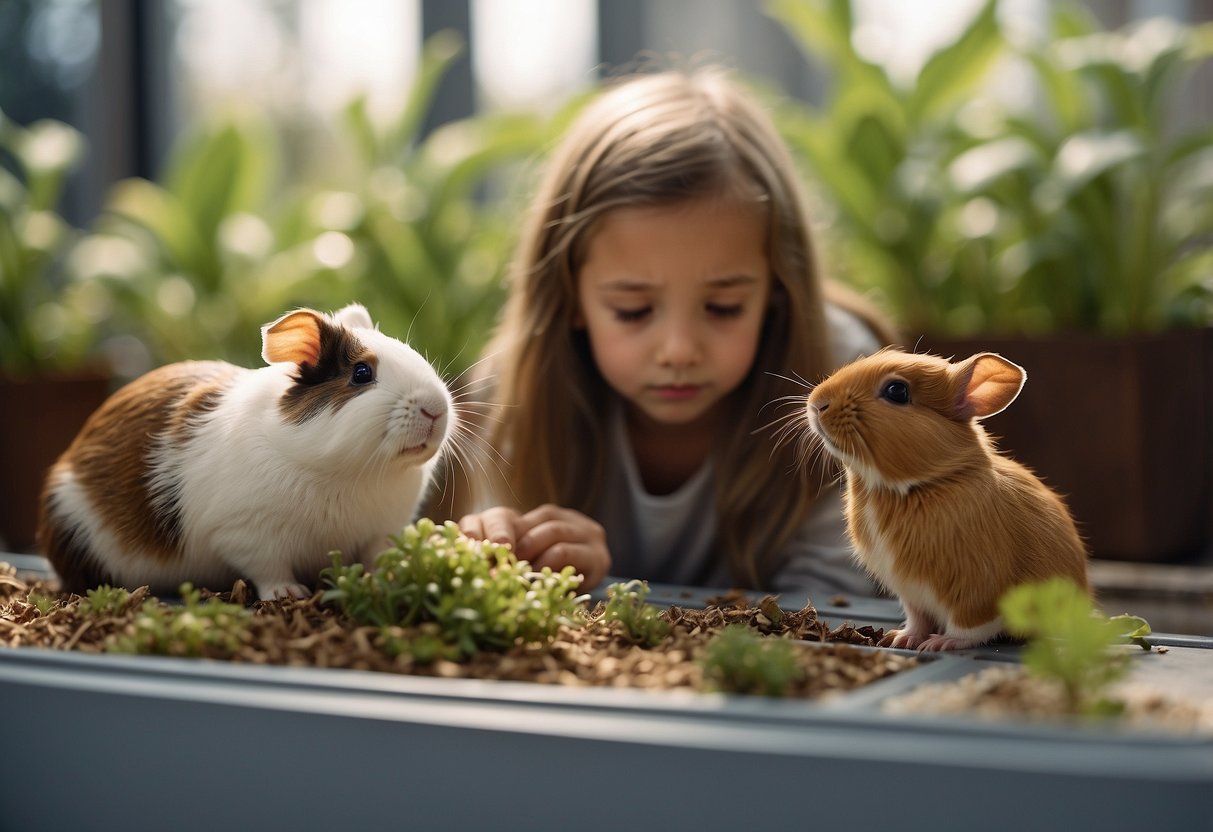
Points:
[(671, 538)]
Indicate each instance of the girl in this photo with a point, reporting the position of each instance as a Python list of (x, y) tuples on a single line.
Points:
[(664, 295)]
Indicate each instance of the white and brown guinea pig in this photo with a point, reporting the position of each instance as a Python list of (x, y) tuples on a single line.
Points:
[(935, 513), (205, 472)]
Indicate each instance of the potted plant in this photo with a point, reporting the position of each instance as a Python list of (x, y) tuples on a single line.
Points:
[(1072, 235), (51, 377), (218, 246)]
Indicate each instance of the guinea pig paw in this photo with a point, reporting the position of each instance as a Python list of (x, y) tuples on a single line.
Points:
[(906, 639), (940, 643), (278, 591)]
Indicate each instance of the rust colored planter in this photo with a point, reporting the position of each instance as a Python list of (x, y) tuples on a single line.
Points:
[(1122, 427), (39, 417)]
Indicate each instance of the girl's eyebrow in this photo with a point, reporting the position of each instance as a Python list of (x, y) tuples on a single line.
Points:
[(731, 280), (627, 284)]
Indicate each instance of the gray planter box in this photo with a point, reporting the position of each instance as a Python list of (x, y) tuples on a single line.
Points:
[(108, 742)]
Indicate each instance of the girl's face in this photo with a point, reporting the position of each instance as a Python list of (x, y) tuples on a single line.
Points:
[(673, 299)]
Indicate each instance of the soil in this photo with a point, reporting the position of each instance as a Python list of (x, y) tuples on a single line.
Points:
[(308, 633), (1011, 693)]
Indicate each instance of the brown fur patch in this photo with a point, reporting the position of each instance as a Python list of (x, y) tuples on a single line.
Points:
[(326, 385), (110, 459)]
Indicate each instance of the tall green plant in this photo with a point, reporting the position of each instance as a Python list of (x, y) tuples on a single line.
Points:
[(433, 217), (199, 259), (45, 320), (192, 261), (875, 150), (1087, 211), (1099, 204)]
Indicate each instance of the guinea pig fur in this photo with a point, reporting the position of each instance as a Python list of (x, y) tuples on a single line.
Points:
[(205, 472), (936, 514)]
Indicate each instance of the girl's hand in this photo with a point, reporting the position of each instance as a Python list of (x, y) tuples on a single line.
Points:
[(549, 535)]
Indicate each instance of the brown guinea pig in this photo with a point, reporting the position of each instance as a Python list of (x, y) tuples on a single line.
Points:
[(935, 513)]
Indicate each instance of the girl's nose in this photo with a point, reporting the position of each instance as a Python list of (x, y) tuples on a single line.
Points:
[(679, 346)]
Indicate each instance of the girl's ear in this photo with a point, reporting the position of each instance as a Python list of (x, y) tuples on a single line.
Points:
[(986, 384)]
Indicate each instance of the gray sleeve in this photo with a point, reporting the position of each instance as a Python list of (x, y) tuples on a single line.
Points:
[(819, 559), (850, 337)]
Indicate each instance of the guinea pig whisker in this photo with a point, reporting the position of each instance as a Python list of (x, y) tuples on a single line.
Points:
[(472, 386), (474, 442), (408, 335), (468, 451), (798, 381), (796, 403), (788, 425), (470, 375), (793, 400)]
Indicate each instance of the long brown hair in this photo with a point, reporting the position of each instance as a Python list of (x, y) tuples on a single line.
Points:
[(659, 139)]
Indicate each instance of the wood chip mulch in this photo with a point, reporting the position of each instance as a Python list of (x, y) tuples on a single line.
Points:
[(306, 633)]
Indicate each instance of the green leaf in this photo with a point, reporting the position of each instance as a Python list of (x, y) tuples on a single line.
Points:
[(823, 30), (956, 70), (1131, 628), (219, 173), (1085, 156), (161, 213), (361, 129), (437, 54), (978, 168)]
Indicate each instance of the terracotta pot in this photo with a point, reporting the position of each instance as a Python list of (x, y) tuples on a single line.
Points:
[(39, 417), (1122, 427)]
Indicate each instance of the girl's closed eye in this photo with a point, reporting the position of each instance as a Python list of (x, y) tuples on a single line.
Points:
[(724, 310), (632, 315)]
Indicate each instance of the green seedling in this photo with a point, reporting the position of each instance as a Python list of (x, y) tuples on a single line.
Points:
[(105, 601), (739, 660), (1071, 643), (480, 596), (196, 628), (43, 603), (641, 621)]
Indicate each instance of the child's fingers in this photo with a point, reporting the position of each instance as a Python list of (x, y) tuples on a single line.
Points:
[(563, 537), (499, 525), (548, 525), (593, 562)]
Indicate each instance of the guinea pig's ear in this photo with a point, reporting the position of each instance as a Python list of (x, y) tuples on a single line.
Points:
[(294, 337), (986, 384), (354, 316)]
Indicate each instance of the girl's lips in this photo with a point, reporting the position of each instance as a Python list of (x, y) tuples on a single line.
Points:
[(677, 392)]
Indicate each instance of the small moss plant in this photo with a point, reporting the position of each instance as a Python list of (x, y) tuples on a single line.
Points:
[(106, 601), (43, 603), (739, 660), (196, 628), (477, 593), (1071, 643), (626, 603)]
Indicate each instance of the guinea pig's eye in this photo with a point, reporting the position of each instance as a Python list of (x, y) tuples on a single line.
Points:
[(363, 374), (898, 392)]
